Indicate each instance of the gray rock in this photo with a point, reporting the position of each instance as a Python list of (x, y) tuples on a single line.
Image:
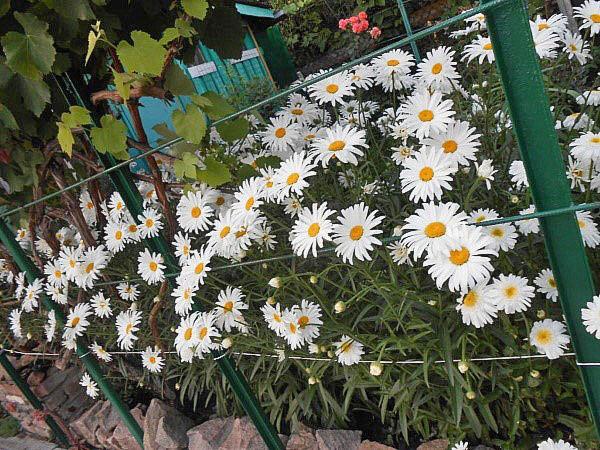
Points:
[(172, 433), (210, 434), (26, 443), (122, 438), (86, 425), (338, 439), (173, 422), (302, 439)]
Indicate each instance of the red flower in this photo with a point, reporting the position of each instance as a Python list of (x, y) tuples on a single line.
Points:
[(375, 32), (364, 25), (362, 15), (354, 19), (343, 24), (356, 28)]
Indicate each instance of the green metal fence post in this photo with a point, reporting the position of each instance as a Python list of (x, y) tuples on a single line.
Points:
[(409, 31), (29, 395), (124, 184), (93, 368), (533, 124)]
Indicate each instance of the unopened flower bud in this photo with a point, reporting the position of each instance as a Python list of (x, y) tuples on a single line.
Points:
[(541, 314), (330, 354), (275, 282), (535, 373), (29, 335), (339, 307), (156, 299), (177, 386), (265, 265), (432, 302), (313, 279), (376, 368), (271, 300), (307, 370), (514, 199), (322, 349), (519, 378), (471, 395), (172, 329), (313, 380), (227, 343), (398, 230), (463, 366), (133, 306)]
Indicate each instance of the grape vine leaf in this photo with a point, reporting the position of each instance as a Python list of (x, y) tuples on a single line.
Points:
[(146, 55), (65, 138), (195, 8), (178, 82), (215, 174), (111, 137), (32, 53), (233, 130), (186, 167), (7, 119), (191, 124), (35, 93)]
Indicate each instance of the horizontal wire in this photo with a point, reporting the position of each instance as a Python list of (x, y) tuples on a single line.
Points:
[(402, 42), (321, 359)]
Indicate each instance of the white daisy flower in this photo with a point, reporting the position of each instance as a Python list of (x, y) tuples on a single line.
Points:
[(400, 253), (362, 76), (50, 326), (31, 295), (311, 230), (437, 70), (426, 175), (187, 335), (465, 263), (127, 324), (293, 205), (588, 228), (249, 197), (591, 316), (274, 318), (101, 305), (184, 294), (503, 236), (512, 293), (427, 229), (348, 351), (401, 153), (392, 70), (183, 247), (545, 41), (518, 174), (77, 321), (576, 48), (460, 446), (150, 224), (341, 143), (299, 110), (266, 239), (589, 12), (207, 332), (193, 212), (528, 226), (459, 142), (267, 180), (93, 260), (292, 333), (591, 97), (55, 274), (546, 284), (151, 267), (115, 236), (423, 114), (550, 338), (197, 266), (481, 49), (116, 206), (228, 310), (355, 233), (291, 177), (128, 291), (332, 89), (478, 306), (549, 444), (222, 237), (100, 353), (58, 294), (578, 171), (308, 319), (14, 319), (556, 22), (152, 360), (88, 209), (91, 388), (586, 147)]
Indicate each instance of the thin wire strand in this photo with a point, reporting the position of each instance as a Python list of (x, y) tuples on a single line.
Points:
[(283, 93)]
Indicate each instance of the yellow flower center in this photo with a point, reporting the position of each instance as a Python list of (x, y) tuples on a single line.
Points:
[(186, 294), (280, 132), (544, 336), (435, 230), (543, 26), (393, 62), (596, 140), (57, 274), (119, 235), (297, 111), (149, 222), (89, 267), (241, 232), (152, 360), (487, 46), (497, 232), (224, 232), (89, 205), (332, 88), (293, 178), (346, 347), (426, 173), (199, 268), (437, 68), (470, 299), (426, 115), (510, 292), (203, 332), (220, 200), (119, 206), (153, 266), (336, 146), (595, 18), (249, 203), (552, 282), (75, 321), (269, 184), (188, 334), (581, 224), (228, 306), (72, 263), (450, 146), (356, 232), (314, 229), (573, 47), (128, 328), (277, 318), (459, 257), (132, 228), (196, 211), (293, 328), (303, 321), (185, 250)]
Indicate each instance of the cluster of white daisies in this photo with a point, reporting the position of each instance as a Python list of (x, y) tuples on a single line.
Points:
[(431, 146), (548, 444)]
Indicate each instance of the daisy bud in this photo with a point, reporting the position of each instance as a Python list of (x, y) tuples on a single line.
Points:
[(133, 306), (156, 299), (475, 85), (322, 349), (172, 329), (466, 170), (307, 370), (514, 199), (484, 84), (541, 314), (264, 265), (463, 366), (432, 302), (227, 342), (339, 164), (141, 384), (313, 279), (312, 380), (535, 373), (375, 369), (275, 282), (471, 395), (330, 354), (177, 386), (271, 300), (29, 336), (519, 378), (314, 349), (398, 230), (339, 307)]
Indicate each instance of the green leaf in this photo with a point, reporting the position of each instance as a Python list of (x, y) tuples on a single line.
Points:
[(4, 7), (74, 9), (201, 101), (76, 116), (35, 94), (65, 138), (195, 8), (190, 125), (92, 41), (233, 130), (111, 137), (218, 107), (31, 54), (123, 83), (184, 28), (169, 34), (177, 81), (146, 55), (215, 174), (7, 118), (186, 167)]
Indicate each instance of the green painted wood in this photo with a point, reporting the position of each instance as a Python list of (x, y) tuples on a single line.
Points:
[(14, 375), (409, 31), (533, 124), (276, 54), (25, 264)]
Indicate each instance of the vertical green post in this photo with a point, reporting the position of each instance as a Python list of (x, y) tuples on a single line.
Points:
[(93, 368), (519, 69), (124, 184), (409, 31), (29, 395)]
